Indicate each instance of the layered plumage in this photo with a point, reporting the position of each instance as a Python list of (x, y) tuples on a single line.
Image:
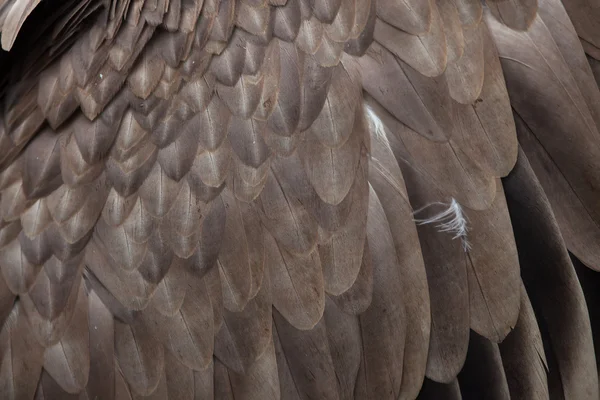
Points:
[(299, 199)]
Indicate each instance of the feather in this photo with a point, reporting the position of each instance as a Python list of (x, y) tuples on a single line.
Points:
[(188, 335), (205, 172), (386, 179), (584, 16), (228, 66), (358, 297), (173, 16), (256, 246), (204, 383), (567, 322), (214, 288), (573, 220), (425, 53), (245, 335), (122, 244), (246, 140), (494, 303), (234, 259), (453, 30), (49, 389), (382, 325), (177, 158), (19, 274), (467, 183), (41, 170), (343, 335), (210, 167), (523, 356), (483, 370), (285, 217), (285, 116), (316, 82), (127, 176), (53, 299), (342, 255), (287, 21), (310, 36), (223, 24), (446, 266), (340, 28), (271, 72), (160, 392), (332, 170), (18, 13), (222, 382), (465, 75), (433, 390), (262, 379), (307, 350), (140, 357), (158, 192), (567, 40), (556, 89), (170, 292), (212, 123), (179, 379), (486, 130), (256, 49), (329, 52), (326, 10), (131, 290), (7, 299), (122, 391), (145, 76), (413, 17), (247, 182), (22, 357), (383, 75), (362, 33), (296, 284), (290, 173), (515, 15), (242, 98), (211, 233), (68, 361), (287, 385), (101, 382)]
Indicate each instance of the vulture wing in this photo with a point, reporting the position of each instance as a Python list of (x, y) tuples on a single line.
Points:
[(299, 199)]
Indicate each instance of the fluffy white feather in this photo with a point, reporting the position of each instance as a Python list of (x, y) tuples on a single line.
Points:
[(452, 220)]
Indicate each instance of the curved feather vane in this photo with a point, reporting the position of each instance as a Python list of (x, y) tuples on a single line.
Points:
[(299, 199)]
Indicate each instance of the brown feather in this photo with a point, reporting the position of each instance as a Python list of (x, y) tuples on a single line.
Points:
[(382, 324), (307, 350), (567, 322), (414, 17), (101, 382), (22, 357), (139, 356), (296, 284), (261, 381), (246, 335), (523, 356), (68, 361), (344, 338), (493, 271), (483, 371)]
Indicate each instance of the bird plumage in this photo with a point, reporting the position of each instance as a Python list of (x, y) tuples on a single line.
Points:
[(299, 199)]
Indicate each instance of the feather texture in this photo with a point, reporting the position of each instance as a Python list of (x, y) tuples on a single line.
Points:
[(271, 199)]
